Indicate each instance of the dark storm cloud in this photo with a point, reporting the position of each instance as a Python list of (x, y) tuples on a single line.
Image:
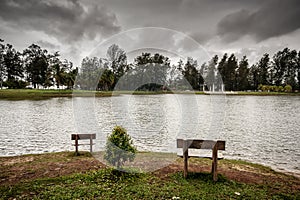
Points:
[(274, 18), (68, 20)]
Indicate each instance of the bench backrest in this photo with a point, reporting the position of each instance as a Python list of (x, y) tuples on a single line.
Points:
[(83, 136), (201, 144)]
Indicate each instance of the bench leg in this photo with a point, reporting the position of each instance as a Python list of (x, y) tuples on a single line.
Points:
[(76, 145), (91, 145), (185, 159), (214, 166)]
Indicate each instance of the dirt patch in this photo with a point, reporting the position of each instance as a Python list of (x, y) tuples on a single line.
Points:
[(240, 173), (21, 168)]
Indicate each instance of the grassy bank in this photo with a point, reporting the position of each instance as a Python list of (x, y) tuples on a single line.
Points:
[(65, 176), (12, 94), (269, 93), (15, 94)]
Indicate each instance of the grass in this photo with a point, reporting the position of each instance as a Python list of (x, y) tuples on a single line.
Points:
[(111, 184), (107, 183), (15, 94), (269, 93)]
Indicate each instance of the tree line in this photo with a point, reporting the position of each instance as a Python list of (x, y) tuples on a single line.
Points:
[(40, 69), (280, 71), (34, 66)]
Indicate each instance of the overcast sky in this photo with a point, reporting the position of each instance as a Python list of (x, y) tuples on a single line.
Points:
[(76, 27)]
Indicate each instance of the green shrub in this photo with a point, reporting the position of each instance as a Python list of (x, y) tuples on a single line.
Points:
[(119, 147), (288, 88)]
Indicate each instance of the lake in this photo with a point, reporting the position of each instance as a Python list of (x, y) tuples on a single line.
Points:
[(261, 129)]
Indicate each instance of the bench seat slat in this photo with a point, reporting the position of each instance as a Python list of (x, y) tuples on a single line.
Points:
[(83, 144), (83, 136), (192, 155), (201, 144)]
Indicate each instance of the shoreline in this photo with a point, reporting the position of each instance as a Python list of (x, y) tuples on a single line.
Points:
[(40, 94), (161, 154)]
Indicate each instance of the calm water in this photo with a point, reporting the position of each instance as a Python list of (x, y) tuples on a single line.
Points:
[(260, 129)]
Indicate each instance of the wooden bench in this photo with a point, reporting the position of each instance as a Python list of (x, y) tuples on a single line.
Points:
[(201, 144), (77, 137)]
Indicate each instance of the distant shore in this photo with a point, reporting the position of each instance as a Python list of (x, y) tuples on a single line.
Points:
[(36, 94)]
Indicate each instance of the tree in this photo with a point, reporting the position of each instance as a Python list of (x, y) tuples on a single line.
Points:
[(190, 73), (209, 72), (61, 70), (227, 69), (242, 74), (117, 61), (179, 81), (11, 67), (285, 67), (263, 67), (253, 77), (149, 72), (2, 67), (90, 73), (231, 77), (119, 147), (71, 77), (14, 67), (298, 69), (107, 80), (222, 70), (36, 63), (290, 75)]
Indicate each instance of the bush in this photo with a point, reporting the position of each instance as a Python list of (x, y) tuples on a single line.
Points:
[(15, 84), (288, 88), (119, 147)]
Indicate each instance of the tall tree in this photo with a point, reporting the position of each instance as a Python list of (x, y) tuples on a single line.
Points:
[(2, 68), (176, 75), (298, 69), (60, 70), (231, 78), (107, 80), (263, 67), (201, 76), (143, 59), (117, 60), (290, 75), (222, 71), (14, 67), (253, 78), (190, 73), (280, 62), (242, 74), (90, 73), (227, 69), (210, 71), (150, 71), (36, 63), (71, 77)]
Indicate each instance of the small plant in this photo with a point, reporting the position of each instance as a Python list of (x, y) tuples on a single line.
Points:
[(119, 147), (288, 88)]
